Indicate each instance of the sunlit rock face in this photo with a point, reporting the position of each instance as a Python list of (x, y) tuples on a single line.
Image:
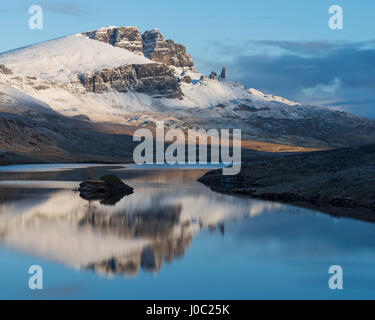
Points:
[(128, 38), (165, 51), (151, 44)]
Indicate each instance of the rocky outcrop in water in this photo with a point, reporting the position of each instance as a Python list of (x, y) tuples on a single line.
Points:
[(153, 79), (109, 189)]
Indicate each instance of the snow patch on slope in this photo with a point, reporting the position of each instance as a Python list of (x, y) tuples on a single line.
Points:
[(271, 97), (12, 99), (62, 59), (209, 93)]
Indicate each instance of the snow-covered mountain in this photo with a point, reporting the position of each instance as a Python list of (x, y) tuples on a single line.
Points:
[(118, 75), (60, 60)]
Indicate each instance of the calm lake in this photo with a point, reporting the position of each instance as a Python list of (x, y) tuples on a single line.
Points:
[(172, 239)]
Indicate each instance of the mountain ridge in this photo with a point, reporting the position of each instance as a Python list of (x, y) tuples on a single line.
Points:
[(150, 44), (91, 76)]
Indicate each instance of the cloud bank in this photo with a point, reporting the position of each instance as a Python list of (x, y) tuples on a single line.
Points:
[(332, 74)]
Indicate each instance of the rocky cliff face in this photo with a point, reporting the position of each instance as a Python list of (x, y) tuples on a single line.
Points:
[(128, 38), (151, 44), (166, 51), (153, 79)]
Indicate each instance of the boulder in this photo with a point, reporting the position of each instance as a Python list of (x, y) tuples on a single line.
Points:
[(213, 75), (109, 189), (186, 79)]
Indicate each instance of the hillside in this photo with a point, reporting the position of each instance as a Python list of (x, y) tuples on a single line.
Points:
[(31, 132), (127, 80)]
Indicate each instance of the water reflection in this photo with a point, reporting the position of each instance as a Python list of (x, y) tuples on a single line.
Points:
[(141, 231)]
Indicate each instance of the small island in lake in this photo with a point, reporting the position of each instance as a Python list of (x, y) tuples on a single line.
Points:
[(109, 189)]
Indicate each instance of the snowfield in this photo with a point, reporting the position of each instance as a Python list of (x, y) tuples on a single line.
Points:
[(62, 59)]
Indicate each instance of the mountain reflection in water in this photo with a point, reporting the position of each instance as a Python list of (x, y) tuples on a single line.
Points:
[(154, 225)]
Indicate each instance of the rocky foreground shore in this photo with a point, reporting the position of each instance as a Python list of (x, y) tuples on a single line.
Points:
[(340, 182)]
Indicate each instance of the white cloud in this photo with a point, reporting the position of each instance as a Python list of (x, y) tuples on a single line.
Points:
[(331, 88)]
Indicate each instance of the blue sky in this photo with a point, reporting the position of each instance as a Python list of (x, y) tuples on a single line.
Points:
[(281, 47)]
